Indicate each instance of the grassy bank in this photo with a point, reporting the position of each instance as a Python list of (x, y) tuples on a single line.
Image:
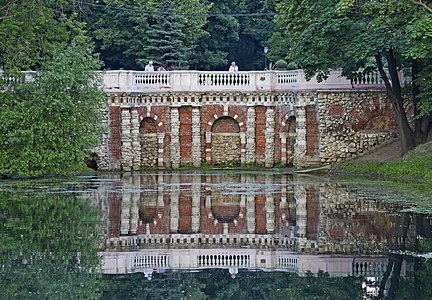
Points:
[(410, 175), (416, 165)]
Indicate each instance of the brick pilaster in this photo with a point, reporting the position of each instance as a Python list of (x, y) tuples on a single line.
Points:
[(250, 135), (175, 138)]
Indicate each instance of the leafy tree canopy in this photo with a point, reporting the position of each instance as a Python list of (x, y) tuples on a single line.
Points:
[(31, 29), (47, 125), (361, 36)]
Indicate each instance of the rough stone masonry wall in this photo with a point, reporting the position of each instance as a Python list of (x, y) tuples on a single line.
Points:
[(149, 150), (345, 125), (226, 149), (352, 123)]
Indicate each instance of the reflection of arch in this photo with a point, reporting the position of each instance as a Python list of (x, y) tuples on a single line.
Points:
[(225, 208), (148, 202), (225, 144), (148, 208), (149, 142), (147, 213)]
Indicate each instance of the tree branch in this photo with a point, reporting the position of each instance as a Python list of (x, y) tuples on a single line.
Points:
[(6, 8), (422, 4)]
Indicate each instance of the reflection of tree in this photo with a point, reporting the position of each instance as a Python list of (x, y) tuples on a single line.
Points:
[(418, 285), (217, 284), (48, 246)]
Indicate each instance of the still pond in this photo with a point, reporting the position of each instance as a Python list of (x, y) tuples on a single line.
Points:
[(212, 235)]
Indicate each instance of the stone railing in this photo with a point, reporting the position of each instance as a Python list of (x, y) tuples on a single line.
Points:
[(218, 81), (253, 81)]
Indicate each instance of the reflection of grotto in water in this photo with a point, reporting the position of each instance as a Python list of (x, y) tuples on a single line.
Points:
[(242, 236), (242, 210), (164, 223)]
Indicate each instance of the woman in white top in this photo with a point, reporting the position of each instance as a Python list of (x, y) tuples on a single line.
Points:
[(233, 67), (149, 67)]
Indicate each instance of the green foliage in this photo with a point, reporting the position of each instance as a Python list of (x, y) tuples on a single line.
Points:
[(292, 66), (167, 41), (48, 125), (417, 164), (420, 32), (221, 33), (281, 64), (253, 34), (129, 39), (346, 34), (217, 284), (31, 29), (48, 244)]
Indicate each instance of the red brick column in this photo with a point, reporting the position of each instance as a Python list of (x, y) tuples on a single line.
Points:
[(312, 131), (114, 142)]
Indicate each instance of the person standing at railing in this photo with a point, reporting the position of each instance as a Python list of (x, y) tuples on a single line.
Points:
[(161, 68), (149, 67), (233, 67)]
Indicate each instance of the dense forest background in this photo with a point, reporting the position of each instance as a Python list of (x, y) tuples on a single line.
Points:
[(178, 34), (68, 38), (191, 34)]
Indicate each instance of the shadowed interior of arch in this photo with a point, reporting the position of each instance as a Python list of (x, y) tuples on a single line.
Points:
[(290, 134)]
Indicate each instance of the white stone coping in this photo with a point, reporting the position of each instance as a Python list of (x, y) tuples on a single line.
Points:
[(127, 81), (187, 81)]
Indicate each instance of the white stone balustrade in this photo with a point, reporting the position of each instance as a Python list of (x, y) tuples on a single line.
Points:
[(125, 81), (214, 81)]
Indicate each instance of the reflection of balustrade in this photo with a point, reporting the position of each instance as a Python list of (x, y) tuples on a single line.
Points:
[(287, 262), (368, 267), (151, 261), (243, 259), (240, 261)]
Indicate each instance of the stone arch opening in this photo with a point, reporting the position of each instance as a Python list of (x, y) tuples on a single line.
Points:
[(148, 143), (92, 161), (290, 128), (226, 145)]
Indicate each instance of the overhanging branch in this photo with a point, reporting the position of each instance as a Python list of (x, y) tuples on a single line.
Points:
[(422, 4)]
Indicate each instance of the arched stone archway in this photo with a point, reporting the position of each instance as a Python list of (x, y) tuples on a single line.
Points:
[(226, 146), (149, 143), (291, 139)]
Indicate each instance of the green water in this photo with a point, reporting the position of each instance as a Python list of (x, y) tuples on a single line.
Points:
[(234, 235)]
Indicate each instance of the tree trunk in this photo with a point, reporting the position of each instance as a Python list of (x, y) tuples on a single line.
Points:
[(385, 278), (394, 281), (394, 92), (421, 128)]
